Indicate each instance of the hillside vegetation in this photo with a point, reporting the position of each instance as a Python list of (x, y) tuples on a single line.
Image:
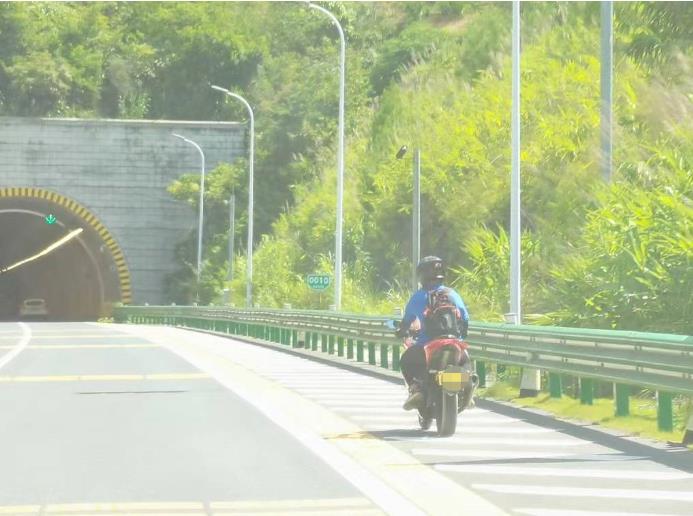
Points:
[(429, 75)]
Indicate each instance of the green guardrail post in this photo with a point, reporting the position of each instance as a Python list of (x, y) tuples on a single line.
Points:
[(622, 396), (481, 373), (665, 412), (586, 391), (294, 338), (384, 351), (395, 356), (340, 346), (350, 349), (314, 342), (371, 353), (359, 350), (555, 387), (330, 349), (323, 343)]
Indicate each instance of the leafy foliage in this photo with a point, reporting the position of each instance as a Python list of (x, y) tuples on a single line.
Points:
[(431, 75)]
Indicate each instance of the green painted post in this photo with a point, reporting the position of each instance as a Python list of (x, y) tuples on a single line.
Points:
[(586, 391), (622, 399), (331, 345), (371, 353), (384, 355), (350, 349), (481, 373), (395, 356), (359, 350), (555, 387), (665, 412), (294, 338), (314, 343), (323, 343), (340, 346)]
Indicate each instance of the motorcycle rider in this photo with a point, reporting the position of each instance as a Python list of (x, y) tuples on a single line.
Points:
[(431, 273)]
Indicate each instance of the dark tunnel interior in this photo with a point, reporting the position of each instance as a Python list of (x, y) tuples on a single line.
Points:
[(67, 278)]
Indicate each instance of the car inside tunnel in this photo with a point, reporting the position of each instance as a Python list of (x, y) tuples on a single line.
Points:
[(76, 280)]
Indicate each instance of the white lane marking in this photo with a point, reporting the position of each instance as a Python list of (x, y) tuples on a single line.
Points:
[(349, 400), (392, 419), (470, 423), (621, 474), (583, 492), (456, 452), (366, 410), (560, 512), (21, 345), (490, 454), (510, 441)]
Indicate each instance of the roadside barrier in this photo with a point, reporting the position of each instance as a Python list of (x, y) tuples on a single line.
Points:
[(657, 361)]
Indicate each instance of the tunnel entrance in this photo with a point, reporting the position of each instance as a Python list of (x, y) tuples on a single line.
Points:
[(78, 280)]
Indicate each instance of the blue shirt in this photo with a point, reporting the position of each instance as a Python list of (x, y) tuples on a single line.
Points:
[(418, 303)]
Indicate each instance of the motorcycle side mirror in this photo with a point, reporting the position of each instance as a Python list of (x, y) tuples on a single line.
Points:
[(392, 324)]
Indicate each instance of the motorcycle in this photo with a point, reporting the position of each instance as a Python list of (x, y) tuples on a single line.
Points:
[(449, 386)]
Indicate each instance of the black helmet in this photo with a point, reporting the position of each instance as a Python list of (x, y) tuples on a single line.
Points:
[(430, 269)]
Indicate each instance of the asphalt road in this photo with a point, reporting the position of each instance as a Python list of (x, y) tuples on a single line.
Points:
[(120, 419), (90, 415)]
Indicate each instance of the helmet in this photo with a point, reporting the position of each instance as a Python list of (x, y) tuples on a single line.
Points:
[(430, 269)]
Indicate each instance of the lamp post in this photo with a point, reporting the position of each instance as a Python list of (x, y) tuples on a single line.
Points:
[(340, 160), (251, 159), (415, 214), (201, 213), (607, 86), (232, 232)]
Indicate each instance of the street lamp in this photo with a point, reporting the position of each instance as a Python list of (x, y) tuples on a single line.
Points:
[(249, 282), (340, 161), (232, 231), (201, 215), (415, 214)]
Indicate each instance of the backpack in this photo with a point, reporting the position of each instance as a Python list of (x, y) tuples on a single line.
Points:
[(441, 316)]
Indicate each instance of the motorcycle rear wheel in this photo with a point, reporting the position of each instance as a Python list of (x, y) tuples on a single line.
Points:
[(446, 418)]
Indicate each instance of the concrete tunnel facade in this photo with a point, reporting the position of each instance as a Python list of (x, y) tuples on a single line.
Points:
[(108, 177)]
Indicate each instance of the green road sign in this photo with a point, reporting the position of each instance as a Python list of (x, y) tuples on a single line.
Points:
[(319, 281), (50, 219)]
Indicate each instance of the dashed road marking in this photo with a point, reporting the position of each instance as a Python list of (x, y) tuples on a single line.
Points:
[(87, 346), (103, 377), (583, 492), (563, 472)]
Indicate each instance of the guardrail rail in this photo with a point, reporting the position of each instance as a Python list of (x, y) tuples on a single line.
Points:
[(661, 362)]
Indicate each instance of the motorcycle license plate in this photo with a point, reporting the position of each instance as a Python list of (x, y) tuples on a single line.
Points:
[(452, 381)]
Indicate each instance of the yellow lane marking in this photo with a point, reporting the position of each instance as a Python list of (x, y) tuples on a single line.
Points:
[(300, 507), (293, 504), (288, 512), (20, 509), (104, 377), (116, 507), (65, 336), (87, 346)]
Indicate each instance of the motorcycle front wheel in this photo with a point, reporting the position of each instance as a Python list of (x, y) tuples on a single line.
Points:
[(446, 417)]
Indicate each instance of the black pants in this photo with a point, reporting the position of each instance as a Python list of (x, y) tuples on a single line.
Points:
[(413, 364)]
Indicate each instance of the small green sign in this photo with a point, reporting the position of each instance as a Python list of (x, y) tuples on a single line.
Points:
[(319, 281), (50, 219)]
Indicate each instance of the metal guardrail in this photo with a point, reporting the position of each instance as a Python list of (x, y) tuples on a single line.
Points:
[(661, 362)]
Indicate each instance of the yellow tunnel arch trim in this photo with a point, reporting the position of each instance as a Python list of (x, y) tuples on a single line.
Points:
[(88, 217)]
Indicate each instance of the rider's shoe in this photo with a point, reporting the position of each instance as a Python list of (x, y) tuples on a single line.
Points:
[(415, 397)]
